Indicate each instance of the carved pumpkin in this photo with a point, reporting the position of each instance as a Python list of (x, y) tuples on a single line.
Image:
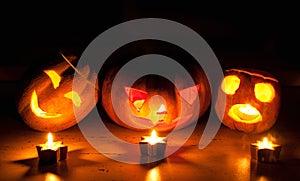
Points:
[(153, 101), (252, 100), (48, 101)]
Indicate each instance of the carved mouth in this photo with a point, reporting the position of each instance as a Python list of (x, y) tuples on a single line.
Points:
[(147, 123), (245, 113), (34, 105), (35, 108)]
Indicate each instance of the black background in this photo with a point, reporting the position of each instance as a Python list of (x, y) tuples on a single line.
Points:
[(32, 31)]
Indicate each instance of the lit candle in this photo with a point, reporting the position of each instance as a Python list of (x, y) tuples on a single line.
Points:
[(153, 139), (153, 145), (265, 144), (265, 151), (50, 152), (247, 112)]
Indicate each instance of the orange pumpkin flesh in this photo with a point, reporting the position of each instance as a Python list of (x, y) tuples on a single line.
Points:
[(158, 102), (252, 100), (48, 101), (161, 109), (163, 106), (142, 112)]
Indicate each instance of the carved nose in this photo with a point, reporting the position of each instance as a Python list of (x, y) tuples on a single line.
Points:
[(162, 109)]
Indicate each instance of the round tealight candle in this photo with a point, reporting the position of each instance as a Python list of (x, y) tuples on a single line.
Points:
[(247, 112)]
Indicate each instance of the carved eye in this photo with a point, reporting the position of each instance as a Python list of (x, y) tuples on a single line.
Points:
[(74, 96), (264, 92), (136, 97), (55, 78), (190, 94), (230, 84)]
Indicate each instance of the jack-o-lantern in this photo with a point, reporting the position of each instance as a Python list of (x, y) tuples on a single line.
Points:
[(153, 101), (252, 100), (48, 101)]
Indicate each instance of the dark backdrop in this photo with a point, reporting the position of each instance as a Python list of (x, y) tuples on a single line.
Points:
[(249, 34)]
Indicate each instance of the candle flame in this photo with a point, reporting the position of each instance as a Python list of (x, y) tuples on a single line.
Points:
[(265, 144), (153, 139), (153, 134), (50, 141), (50, 145), (248, 109), (245, 113)]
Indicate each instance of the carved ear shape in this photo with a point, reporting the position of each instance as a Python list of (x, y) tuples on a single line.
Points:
[(190, 94), (136, 97)]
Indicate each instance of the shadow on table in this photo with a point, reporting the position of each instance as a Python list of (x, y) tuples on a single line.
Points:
[(61, 168)]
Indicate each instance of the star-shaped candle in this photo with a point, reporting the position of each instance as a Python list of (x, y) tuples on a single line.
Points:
[(51, 152), (153, 146), (265, 151)]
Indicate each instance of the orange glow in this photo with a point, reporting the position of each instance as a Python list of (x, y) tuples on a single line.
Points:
[(158, 110), (242, 168), (264, 92), (248, 112), (138, 104), (137, 97), (50, 145), (153, 175), (153, 139), (50, 141), (51, 177), (74, 96), (265, 144), (245, 113), (263, 178), (34, 105), (230, 84), (55, 78)]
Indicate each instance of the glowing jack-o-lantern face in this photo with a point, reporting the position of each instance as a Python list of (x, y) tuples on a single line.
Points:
[(48, 102), (150, 106), (154, 102), (252, 100)]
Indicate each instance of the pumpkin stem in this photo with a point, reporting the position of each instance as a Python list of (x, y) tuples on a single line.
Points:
[(76, 70), (69, 63)]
